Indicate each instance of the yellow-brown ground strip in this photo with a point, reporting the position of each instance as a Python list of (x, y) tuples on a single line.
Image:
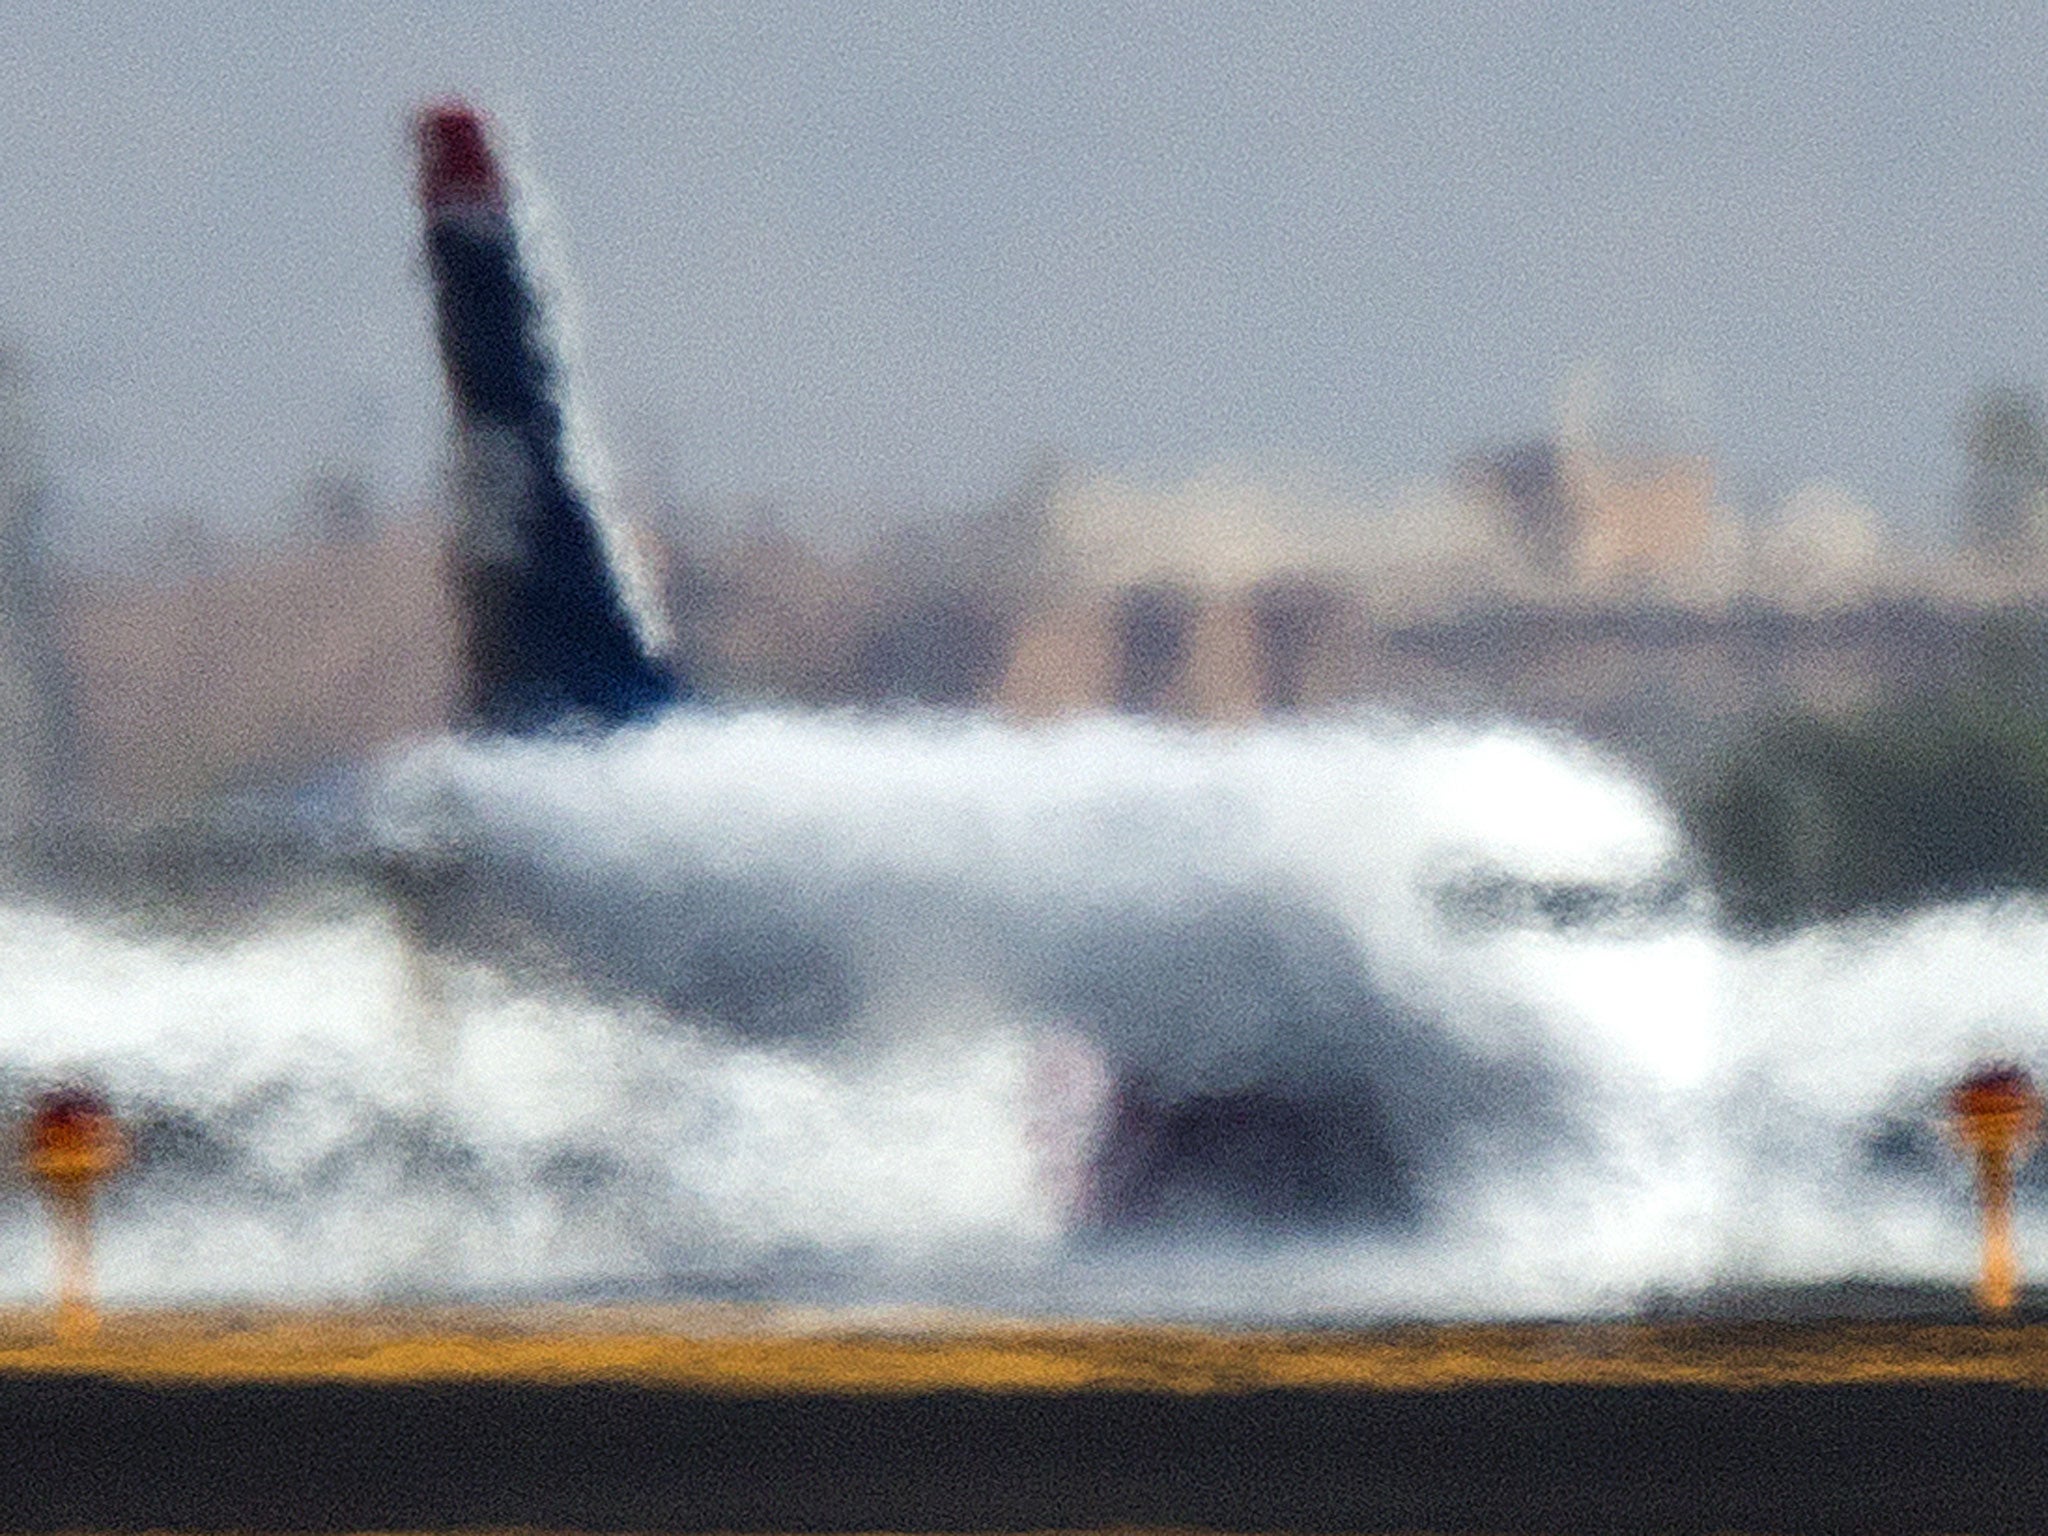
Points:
[(745, 1351)]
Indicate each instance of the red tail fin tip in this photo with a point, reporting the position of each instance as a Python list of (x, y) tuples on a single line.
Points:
[(457, 168)]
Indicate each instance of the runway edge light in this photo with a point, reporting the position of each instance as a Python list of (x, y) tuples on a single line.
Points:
[(1995, 1113), (72, 1145)]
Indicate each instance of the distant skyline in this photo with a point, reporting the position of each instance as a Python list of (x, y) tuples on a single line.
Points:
[(853, 257)]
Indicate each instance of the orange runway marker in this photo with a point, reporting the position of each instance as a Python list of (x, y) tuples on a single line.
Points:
[(72, 1145), (1996, 1114)]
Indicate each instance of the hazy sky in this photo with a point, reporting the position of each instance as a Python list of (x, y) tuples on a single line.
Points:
[(850, 254)]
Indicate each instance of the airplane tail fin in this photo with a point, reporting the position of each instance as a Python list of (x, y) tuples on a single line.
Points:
[(553, 633)]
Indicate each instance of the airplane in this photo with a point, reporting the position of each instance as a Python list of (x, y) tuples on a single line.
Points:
[(595, 822), (1315, 1125)]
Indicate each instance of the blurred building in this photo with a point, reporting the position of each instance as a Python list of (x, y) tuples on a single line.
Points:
[(2004, 502), (1224, 597), (1642, 521), (1610, 594), (1598, 521), (259, 671), (770, 618)]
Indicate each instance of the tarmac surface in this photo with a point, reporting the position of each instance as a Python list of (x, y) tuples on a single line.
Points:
[(708, 1422)]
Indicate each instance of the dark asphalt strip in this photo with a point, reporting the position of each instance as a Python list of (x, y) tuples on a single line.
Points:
[(96, 1454)]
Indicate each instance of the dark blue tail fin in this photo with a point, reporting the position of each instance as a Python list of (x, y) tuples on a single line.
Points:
[(552, 636)]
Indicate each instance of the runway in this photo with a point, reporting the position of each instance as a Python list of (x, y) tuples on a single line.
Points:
[(737, 1422)]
